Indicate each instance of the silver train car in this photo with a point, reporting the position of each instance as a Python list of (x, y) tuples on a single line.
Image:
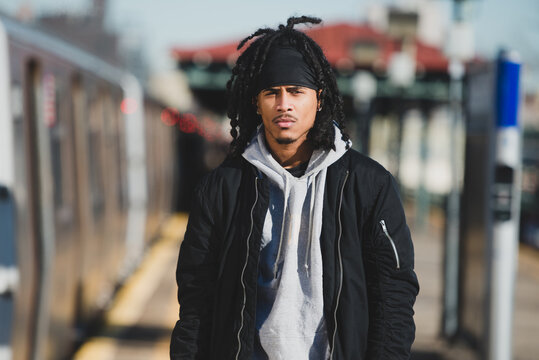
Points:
[(86, 174)]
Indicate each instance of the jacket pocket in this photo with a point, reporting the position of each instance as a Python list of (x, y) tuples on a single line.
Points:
[(391, 242)]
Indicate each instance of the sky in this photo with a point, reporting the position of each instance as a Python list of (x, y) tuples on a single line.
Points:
[(159, 25)]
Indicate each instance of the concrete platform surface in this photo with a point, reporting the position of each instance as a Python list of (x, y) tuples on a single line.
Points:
[(143, 314)]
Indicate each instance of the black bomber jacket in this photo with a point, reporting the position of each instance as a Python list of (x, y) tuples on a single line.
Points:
[(369, 283)]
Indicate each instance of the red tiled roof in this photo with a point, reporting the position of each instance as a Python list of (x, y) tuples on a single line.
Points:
[(218, 53), (337, 41)]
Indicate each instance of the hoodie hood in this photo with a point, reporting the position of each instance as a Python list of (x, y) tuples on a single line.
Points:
[(258, 154)]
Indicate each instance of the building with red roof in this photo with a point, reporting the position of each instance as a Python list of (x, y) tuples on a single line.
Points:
[(351, 49), (342, 43), (348, 48)]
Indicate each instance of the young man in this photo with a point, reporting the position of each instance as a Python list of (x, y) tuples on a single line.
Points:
[(297, 246)]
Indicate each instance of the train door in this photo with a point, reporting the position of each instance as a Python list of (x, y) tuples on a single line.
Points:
[(79, 131), (18, 253), (29, 221), (34, 214), (87, 110), (103, 178), (117, 158), (57, 113), (121, 163), (109, 160)]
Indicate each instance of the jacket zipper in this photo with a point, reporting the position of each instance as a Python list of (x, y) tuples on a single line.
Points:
[(340, 268), (244, 267), (384, 229)]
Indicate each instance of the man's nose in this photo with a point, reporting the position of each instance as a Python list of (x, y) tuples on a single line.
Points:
[(284, 102)]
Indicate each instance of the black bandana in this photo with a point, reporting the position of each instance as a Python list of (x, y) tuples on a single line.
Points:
[(285, 66)]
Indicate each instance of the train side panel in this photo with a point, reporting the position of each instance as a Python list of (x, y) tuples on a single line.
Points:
[(87, 182)]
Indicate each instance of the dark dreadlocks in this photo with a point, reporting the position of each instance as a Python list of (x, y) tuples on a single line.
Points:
[(241, 87)]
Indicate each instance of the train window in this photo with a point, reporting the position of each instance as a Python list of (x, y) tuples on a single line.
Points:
[(66, 120), (56, 112), (120, 155), (95, 148), (112, 165), (16, 101), (51, 104)]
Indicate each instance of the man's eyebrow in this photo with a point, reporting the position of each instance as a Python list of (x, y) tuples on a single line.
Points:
[(294, 87), (288, 88)]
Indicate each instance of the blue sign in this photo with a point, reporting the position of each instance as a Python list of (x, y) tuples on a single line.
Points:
[(507, 90)]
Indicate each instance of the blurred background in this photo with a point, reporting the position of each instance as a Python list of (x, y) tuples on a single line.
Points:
[(112, 110)]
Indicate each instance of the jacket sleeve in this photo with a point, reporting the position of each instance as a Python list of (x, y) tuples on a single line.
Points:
[(195, 275), (391, 280)]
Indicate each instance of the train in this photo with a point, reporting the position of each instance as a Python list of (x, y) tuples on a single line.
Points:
[(87, 169)]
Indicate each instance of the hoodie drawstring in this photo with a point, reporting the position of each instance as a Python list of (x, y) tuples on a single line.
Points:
[(311, 217), (307, 257)]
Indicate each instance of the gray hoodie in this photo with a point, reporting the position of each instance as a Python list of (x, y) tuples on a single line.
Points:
[(290, 317)]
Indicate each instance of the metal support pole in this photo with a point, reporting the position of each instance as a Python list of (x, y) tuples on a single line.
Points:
[(364, 90), (506, 208), (363, 126), (460, 49), (451, 274)]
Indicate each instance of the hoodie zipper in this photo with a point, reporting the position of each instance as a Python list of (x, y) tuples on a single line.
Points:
[(384, 229), (244, 267), (340, 268)]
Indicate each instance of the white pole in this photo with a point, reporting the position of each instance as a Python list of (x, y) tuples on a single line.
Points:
[(506, 208), (460, 48)]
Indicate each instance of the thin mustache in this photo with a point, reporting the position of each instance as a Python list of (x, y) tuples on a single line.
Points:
[(278, 117)]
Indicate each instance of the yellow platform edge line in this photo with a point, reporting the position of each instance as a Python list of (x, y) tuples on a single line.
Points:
[(131, 298)]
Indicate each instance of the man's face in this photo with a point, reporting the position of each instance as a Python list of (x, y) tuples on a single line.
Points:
[(287, 112)]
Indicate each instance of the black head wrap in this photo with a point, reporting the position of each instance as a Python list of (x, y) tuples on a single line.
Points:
[(285, 65)]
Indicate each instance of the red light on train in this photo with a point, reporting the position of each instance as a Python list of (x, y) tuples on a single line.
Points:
[(170, 116), (188, 123), (129, 106)]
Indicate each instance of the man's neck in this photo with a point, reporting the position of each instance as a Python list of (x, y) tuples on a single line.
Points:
[(290, 155)]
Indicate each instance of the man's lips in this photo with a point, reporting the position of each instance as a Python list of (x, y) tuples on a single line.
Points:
[(284, 121)]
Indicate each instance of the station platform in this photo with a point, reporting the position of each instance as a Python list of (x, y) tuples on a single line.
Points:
[(428, 246), (139, 322), (141, 318)]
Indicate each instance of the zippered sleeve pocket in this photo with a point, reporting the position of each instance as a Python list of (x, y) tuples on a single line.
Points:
[(391, 242)]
